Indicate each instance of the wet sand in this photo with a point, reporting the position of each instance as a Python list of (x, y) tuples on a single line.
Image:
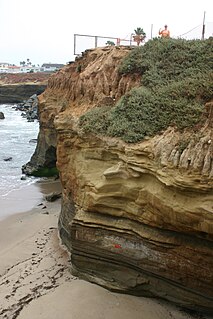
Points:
[(27, 197), (35, 278)]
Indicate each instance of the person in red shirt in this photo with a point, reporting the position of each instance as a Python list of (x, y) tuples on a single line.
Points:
[(165, 33)]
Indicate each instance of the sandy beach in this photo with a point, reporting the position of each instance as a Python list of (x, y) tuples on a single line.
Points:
[(35, 278)]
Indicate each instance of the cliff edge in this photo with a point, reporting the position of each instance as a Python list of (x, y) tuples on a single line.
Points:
[(136, 217)]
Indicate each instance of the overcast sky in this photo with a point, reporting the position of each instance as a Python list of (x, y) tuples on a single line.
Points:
[(43, 30)]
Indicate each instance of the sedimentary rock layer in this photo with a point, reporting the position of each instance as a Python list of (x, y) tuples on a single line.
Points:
[(17, 93), (14, 88), (136, 218)]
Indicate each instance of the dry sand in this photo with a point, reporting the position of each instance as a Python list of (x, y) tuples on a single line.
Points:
[(35, 281)]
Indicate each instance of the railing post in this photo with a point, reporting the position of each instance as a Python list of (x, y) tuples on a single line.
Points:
[(74, 43)]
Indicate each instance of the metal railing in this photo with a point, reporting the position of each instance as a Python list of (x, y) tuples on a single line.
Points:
[(96, 41)]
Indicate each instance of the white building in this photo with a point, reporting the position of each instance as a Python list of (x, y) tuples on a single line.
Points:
[(4, 67), (28, 68), (9, 68), (13, 69), (51, 67)]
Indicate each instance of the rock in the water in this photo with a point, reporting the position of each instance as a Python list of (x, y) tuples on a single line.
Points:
[(52, 197), (6, 159), (33, 140), (29, 108), (2, 117)]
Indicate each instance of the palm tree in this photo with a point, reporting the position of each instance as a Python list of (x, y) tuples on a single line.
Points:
[(28, 62), (139, 35), (22, 63)]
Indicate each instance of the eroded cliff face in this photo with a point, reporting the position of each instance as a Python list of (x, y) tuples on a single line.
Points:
[(137, 218), (90, 81)]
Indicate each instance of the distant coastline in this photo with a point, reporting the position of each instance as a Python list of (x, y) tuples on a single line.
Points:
[(14, 88)]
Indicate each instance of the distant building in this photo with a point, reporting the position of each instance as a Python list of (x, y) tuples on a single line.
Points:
[(13, 69), (9, 68), (51, 67), (4, 67), (28, 68)]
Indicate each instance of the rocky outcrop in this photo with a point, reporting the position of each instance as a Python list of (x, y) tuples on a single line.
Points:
[(15, 88), (17, 93), (137, 218), (2, 116), (29, 108)]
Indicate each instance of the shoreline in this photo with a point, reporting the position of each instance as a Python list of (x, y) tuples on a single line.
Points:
[(36, 281), (26, 197)]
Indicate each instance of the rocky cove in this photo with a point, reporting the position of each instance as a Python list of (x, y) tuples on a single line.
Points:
[(136, 217)]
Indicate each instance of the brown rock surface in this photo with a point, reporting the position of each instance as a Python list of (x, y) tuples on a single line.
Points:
[(137, 218), (24, 78)]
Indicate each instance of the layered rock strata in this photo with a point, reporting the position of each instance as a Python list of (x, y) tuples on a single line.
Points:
[(14, 88), (18, 93), (137, 218), (90, 81)]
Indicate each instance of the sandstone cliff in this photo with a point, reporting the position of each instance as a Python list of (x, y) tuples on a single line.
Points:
[(137, 218)]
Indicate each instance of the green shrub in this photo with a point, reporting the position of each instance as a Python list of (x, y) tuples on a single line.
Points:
[(169, 58), (140, 113), (176, 81), (97, 120), (45, 172)]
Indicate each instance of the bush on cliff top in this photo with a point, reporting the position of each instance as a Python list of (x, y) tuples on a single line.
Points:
[(176, 81)]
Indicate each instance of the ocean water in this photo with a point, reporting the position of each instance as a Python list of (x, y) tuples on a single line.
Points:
[(15, 135)]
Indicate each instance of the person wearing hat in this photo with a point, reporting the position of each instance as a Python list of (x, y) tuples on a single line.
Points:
[(165, 32)]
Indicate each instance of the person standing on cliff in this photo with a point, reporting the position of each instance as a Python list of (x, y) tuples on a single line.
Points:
[(165, 33)]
